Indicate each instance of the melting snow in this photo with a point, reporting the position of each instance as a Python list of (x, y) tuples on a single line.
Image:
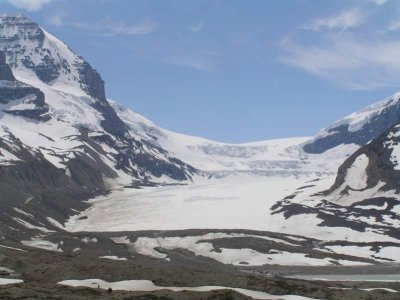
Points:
[(4, 281), (148, 286), (42, 244), (113, 257)]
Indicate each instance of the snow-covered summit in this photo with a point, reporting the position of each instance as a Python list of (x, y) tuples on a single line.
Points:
[(359, 127), (79, 114), (38, 54)]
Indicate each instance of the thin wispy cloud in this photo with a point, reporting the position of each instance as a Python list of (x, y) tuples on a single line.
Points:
[(107, 28), (198, 27), (347, 61), (56, 20), (192, 63), (29, 5), (394, 25), (346, 19), (379, 2), (199, 60)]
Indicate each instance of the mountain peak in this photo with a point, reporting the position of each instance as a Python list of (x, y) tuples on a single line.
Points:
[(16, 18), (17, 26), (359, 128)]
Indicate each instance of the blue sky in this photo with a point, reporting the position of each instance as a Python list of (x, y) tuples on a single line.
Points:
[(233, 71)]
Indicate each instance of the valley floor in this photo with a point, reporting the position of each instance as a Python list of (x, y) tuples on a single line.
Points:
[(42, 272), (233, 202)]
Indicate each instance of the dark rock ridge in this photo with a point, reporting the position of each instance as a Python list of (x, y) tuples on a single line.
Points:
[(41, 190), (15, 92), (381, 167), (5, 70), (337, 135), (91, 82)]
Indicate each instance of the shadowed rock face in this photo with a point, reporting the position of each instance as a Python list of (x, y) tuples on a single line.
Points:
[(33, 184), (381, 167), (5, 70), (93, 84), (13, 91), (374, 206)]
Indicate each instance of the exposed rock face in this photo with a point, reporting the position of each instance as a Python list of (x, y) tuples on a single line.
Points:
[(375, 120), (5, 70), (365, 194), (18, 98), (92, 82), (382, 163), (32, 183)]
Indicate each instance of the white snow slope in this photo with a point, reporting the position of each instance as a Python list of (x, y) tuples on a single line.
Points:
[(235, 189)]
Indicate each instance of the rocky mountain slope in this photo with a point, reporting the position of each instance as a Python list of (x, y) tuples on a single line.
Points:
[(358, 128), (61, 141), (71, 160), (364, 195)]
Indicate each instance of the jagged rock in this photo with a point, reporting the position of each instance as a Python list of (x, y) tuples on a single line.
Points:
[(16, 92), (5, 70)]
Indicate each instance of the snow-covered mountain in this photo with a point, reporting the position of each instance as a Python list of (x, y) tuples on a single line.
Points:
[(62, 142), (75, 117), (59, 134), (359, 127), (364, 195)]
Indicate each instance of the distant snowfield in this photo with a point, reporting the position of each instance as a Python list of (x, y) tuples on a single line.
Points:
[(241, 183), (239, 194), (236, 202)]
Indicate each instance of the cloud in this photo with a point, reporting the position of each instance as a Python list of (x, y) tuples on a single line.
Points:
[(119, 28), (193, 63), (394, 25), (56, 19), (347, 19), (29, 5), (199, 60), (348, 62), (198, 27), (379, 2)]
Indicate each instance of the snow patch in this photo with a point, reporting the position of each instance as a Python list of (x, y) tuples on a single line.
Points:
[(113, 257), (4, 281), (42, 244), (149, 286)]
